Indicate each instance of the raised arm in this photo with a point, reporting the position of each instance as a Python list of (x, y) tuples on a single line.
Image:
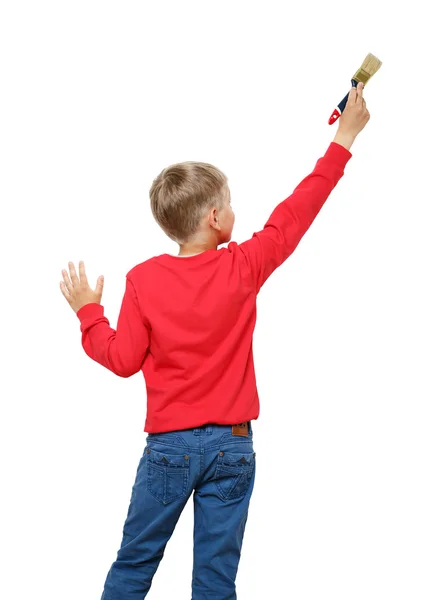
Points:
[(269, 248)]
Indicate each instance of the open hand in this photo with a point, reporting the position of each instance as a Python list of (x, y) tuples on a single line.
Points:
[(77, 292)]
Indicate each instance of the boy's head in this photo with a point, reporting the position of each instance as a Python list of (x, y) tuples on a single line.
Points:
[(191, 202)]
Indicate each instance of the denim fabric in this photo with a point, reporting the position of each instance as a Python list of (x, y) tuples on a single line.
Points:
[(220, 469)]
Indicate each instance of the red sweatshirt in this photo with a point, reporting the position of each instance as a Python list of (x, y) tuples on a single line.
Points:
[(188, 323)]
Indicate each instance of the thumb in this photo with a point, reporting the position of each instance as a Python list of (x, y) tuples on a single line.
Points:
[(352, 95), (99, 285)]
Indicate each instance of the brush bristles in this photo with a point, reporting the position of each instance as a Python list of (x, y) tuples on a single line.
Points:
[(371, 65)]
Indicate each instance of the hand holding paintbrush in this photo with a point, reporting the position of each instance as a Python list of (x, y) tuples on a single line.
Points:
[(369, 67), (354, 117)]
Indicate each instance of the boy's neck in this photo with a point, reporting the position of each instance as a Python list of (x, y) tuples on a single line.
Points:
[(194, 249)]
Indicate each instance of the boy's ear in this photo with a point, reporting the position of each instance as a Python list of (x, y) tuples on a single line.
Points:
[(213, 219)]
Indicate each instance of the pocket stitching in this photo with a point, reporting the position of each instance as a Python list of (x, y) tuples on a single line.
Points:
[(163, 469), (243, 471)]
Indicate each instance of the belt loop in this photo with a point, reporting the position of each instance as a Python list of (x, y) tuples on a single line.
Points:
[(196, 431), (209, 429)]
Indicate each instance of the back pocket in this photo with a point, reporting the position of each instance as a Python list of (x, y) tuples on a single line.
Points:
[(167, 475), (234, 473)]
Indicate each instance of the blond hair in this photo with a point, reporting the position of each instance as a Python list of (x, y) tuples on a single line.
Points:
[(182, 193)]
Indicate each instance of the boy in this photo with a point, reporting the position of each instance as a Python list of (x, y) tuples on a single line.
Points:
[(187, 322)]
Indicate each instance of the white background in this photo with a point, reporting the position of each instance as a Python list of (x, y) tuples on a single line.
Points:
[(97, 98)]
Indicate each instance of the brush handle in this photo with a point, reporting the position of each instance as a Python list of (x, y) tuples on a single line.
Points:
[(341, 106)]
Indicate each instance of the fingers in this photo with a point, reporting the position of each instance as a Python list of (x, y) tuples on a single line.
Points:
[(82, 273), (356, 94), (99, 286), (67, 282), (73, 281), (352, 96), (73, 275), (64, 291)]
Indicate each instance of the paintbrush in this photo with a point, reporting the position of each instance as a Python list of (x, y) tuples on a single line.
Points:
[(369, 67)]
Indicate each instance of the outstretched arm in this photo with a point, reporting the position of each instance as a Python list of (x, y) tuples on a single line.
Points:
[(269, 248)]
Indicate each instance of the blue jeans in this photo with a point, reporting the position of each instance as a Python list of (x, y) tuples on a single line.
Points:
[(220, 468)]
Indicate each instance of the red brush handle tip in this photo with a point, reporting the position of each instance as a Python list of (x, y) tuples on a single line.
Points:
[(335, 116)]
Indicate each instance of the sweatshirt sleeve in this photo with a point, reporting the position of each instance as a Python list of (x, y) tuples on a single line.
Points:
[(123, 350), (269, 248)]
